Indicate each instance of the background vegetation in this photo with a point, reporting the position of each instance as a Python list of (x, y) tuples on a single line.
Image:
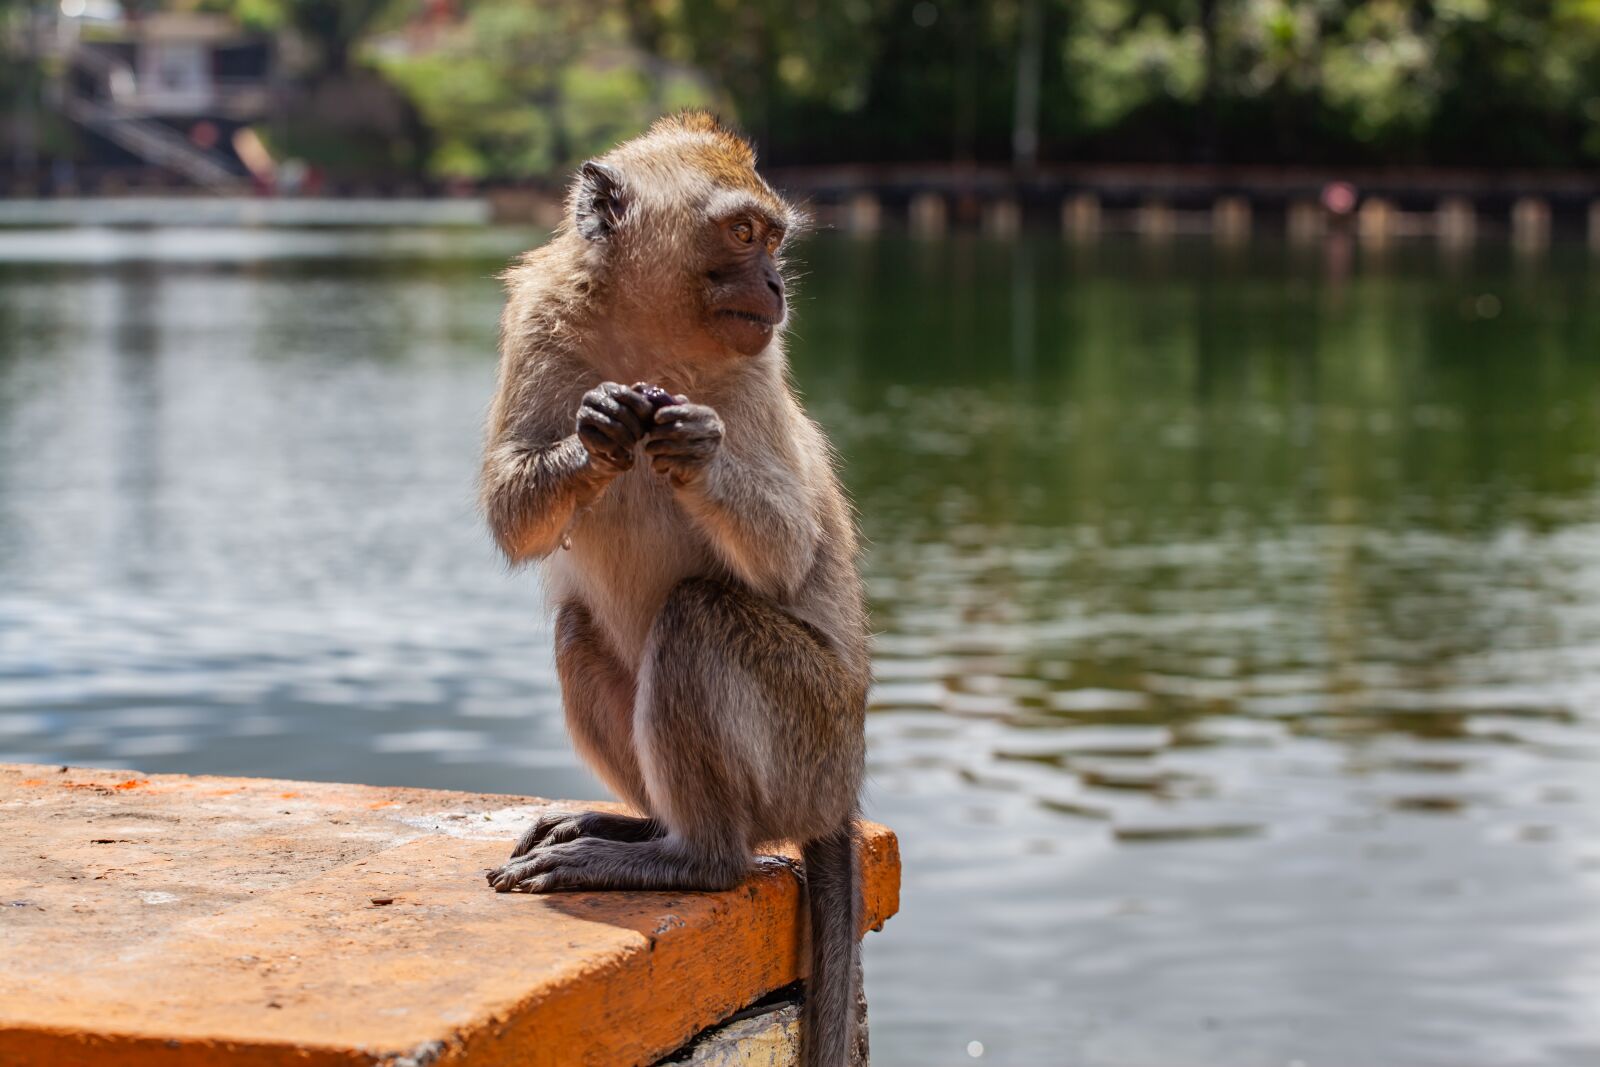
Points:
[(506, 90)]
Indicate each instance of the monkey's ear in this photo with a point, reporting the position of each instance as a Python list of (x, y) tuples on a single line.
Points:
[(600, 203)]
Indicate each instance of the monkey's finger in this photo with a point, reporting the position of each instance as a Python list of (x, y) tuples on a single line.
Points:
[(619, 412), (601, 428), (596, 440), (675, 413), (695, 423), (685, 448), (599, 393), (634, 401), (661, 446), (670, 464), (621, 427)]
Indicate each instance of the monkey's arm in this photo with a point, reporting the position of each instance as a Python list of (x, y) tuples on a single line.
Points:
[(752, 497), (761, 521), (531, 493)]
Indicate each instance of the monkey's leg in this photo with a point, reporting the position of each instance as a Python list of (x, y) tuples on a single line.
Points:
[(738, 742), (598, 694)]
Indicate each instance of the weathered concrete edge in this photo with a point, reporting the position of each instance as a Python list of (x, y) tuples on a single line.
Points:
[(611, 1010), (622, 994)]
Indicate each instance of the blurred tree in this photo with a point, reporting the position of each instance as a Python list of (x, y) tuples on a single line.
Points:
[(21, 82), (510, 89), (328, 31), (1508, 81), (526, 88)]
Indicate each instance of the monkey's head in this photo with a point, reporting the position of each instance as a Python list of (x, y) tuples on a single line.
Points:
[(687, 236)]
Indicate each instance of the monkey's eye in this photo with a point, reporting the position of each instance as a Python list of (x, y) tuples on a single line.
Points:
[(774, 239), (743, 232)]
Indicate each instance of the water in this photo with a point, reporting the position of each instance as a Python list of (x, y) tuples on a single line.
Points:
[(1239, 644)]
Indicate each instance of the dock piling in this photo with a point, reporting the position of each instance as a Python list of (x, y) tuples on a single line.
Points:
[(1230, 220), (1530, 224), (1376, 221), (1154, 220), (1306, 222), (1002, 217), (1080, 216), (929, 215), (863, 213), (1455, 221)]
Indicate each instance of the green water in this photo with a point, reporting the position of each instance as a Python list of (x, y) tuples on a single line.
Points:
[(1239, 650)]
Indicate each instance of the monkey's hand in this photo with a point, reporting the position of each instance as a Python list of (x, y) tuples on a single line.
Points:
[(611, 420), (685, 438)]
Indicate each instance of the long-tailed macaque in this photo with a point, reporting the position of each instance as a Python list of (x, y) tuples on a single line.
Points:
[(699, 552)]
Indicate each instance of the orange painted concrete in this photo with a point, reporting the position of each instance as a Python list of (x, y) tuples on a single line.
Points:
[(184, 921)]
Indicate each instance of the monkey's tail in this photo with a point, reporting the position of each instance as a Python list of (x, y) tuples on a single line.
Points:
[(833, 896)]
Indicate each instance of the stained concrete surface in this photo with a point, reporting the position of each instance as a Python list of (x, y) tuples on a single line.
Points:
[(200, 920)]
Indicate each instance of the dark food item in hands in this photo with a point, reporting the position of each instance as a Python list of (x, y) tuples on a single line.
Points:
[(658, 397)]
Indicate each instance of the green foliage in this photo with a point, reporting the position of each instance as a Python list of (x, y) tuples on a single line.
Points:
[(1123, 58), (514, 89), (525, 88)]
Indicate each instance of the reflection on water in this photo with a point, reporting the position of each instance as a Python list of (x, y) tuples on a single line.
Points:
[(1239, 641)]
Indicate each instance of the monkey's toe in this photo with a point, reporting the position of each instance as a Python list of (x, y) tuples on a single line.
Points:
[(534, 872), (535, 835), (576, 864), (564, 827), (508, 878)]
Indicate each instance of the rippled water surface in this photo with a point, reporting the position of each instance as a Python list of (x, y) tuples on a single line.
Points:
[(1238, 690)]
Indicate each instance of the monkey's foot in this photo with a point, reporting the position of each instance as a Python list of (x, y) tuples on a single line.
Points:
[(595, 863), (559, 827)]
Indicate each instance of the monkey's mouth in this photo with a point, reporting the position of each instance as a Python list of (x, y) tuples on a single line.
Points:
[(745, 329), (748, 316)]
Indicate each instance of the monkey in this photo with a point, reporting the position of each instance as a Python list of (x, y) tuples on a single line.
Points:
[(697, 549)]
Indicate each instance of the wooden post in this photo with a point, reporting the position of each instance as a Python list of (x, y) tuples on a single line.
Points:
[(1376, 221), (1455, 221), (1306, 221), (1230, 219), (1530, 224), (930, 216), (1594, 226), (1002, 218), (863, 213), (1080, 216), (1155, 221)]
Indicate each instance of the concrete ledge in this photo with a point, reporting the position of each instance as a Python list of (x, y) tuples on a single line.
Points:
[(176, 920)]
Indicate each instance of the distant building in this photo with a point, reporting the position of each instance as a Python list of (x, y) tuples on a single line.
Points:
[(167, 90)]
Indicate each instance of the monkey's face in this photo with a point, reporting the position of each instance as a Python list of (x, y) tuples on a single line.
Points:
[(688, 237), (743, 293)]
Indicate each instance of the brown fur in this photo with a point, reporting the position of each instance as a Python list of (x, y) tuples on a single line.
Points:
[(711, 638)]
